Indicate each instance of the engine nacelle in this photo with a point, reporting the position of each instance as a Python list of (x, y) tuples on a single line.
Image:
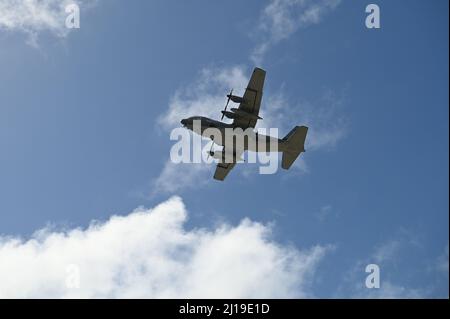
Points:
[(218, 154), (229, 114), (235, 99)]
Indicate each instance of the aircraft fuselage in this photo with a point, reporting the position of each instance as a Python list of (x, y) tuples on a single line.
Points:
[(246, 140)]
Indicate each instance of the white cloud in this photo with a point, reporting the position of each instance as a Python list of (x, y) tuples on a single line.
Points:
[(37, 16), (194, 175), (442, 262), (150, 254), (281, 18)]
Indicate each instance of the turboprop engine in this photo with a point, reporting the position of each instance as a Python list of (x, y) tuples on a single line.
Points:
[(235, 98), (216, 154)]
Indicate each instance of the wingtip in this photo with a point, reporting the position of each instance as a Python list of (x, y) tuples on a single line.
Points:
[(258, 69)]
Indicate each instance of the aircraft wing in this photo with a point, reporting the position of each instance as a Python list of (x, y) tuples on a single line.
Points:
[(223, 169), (252, 100)]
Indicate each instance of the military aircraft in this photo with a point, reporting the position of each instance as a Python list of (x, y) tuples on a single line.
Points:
[(245, 116)]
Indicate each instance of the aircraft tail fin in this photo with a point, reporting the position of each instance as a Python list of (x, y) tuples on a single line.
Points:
[(295, 144)]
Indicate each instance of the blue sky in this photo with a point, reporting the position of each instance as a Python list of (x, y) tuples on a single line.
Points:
[(85, 121)]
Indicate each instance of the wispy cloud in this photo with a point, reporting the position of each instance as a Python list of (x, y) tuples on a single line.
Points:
[(34, 17), (353, 285), (194, 176), (385, 255), (442, 262), (324, 117), (150, 254), (389, 255), (387, 251), (390, 290), (324, 213), (282, 18)]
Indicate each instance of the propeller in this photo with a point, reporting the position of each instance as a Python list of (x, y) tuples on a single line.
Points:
[(210, 151), (228, 102)]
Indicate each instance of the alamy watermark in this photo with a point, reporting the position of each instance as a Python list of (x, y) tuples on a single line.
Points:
[(73, 17), (373, 279), (373, 19)]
